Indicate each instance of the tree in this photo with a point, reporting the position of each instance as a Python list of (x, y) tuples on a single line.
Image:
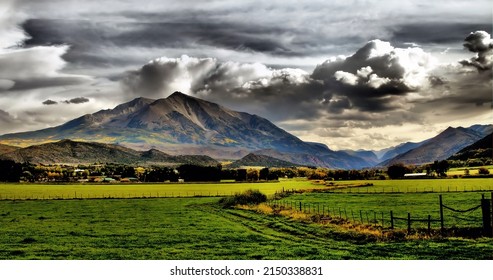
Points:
[(252, 174), (483, 171), (440, 167), (264, 174), (396, 171), (241, 175), (10, 171), (195, 173)]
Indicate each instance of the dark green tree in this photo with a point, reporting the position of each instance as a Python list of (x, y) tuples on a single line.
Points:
[(396, 171)]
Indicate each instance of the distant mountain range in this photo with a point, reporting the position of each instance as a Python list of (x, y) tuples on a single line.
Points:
[(442, 146), (183, 125), (72, 152)]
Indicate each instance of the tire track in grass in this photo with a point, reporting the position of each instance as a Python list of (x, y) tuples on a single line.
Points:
[(282, 229)]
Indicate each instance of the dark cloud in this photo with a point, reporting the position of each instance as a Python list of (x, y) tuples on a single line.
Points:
[(438, 32), (376, 86), (7, 122), (88, 37), (49, 102), (479, 42), (77, 100)]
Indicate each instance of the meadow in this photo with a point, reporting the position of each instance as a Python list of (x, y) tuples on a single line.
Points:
[(375, 208), (194, 228), (413, 185), (186, 221), (145, 190), (68, 191)]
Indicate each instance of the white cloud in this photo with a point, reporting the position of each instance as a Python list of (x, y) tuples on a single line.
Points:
[(406, 69), (346, 78)]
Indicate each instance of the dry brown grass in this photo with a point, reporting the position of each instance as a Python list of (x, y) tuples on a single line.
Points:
[(339, 224)]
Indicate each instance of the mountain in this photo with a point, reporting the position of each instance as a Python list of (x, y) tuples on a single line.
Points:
[(369, 156), (260, 160), (399, 149), (181, 124), (480, 149), (7, 149), (442, 146), (74, 152)]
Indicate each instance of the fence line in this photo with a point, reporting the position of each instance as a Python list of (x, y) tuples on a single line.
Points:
[(433, 189), (65, 196), (379, 218)]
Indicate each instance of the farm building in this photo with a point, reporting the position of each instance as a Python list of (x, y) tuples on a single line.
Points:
[(415, 175)]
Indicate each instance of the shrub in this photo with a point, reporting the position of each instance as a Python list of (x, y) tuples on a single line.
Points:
[(483, 171), (247, 197)]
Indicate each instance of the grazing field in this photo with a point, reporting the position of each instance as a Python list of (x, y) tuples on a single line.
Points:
[(459, 171), (194, 228), (375, 208), (415, 185), (67, 191)]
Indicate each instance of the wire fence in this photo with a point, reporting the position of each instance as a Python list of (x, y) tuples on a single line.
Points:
[(451, 218), (113, 195), (407, 189)]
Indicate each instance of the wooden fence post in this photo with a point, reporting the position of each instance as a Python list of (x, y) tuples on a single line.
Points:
[(429, 224), (485, 207), (408, 223), (391, 220), (300, 206), (441, 214)]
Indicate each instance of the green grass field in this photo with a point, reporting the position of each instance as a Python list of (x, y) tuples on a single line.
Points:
[(193, 228), (373, 208), (472, 170), (38, 225), (66, 191), (417, 185)]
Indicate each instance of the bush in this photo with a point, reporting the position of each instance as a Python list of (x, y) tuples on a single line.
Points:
[(247, 197), (483, 171)]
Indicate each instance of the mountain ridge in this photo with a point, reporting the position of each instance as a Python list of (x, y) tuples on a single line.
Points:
[(181, 125), (76, 152), (442, 146), (184, 125)]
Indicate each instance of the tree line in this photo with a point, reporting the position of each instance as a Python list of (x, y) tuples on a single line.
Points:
[(14, 172)]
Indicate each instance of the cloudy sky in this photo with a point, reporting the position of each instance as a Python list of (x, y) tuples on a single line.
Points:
[(350, 74)]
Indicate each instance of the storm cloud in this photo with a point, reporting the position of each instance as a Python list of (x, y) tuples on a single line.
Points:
[(377, 86), (480, 42), (319, 70)]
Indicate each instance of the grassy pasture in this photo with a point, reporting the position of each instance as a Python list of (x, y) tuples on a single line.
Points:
[(373, 206), (417, 185), (472, 170), (50, 191), (193, 228)]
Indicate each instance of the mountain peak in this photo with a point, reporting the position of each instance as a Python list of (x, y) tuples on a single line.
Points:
[(178, 94)]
